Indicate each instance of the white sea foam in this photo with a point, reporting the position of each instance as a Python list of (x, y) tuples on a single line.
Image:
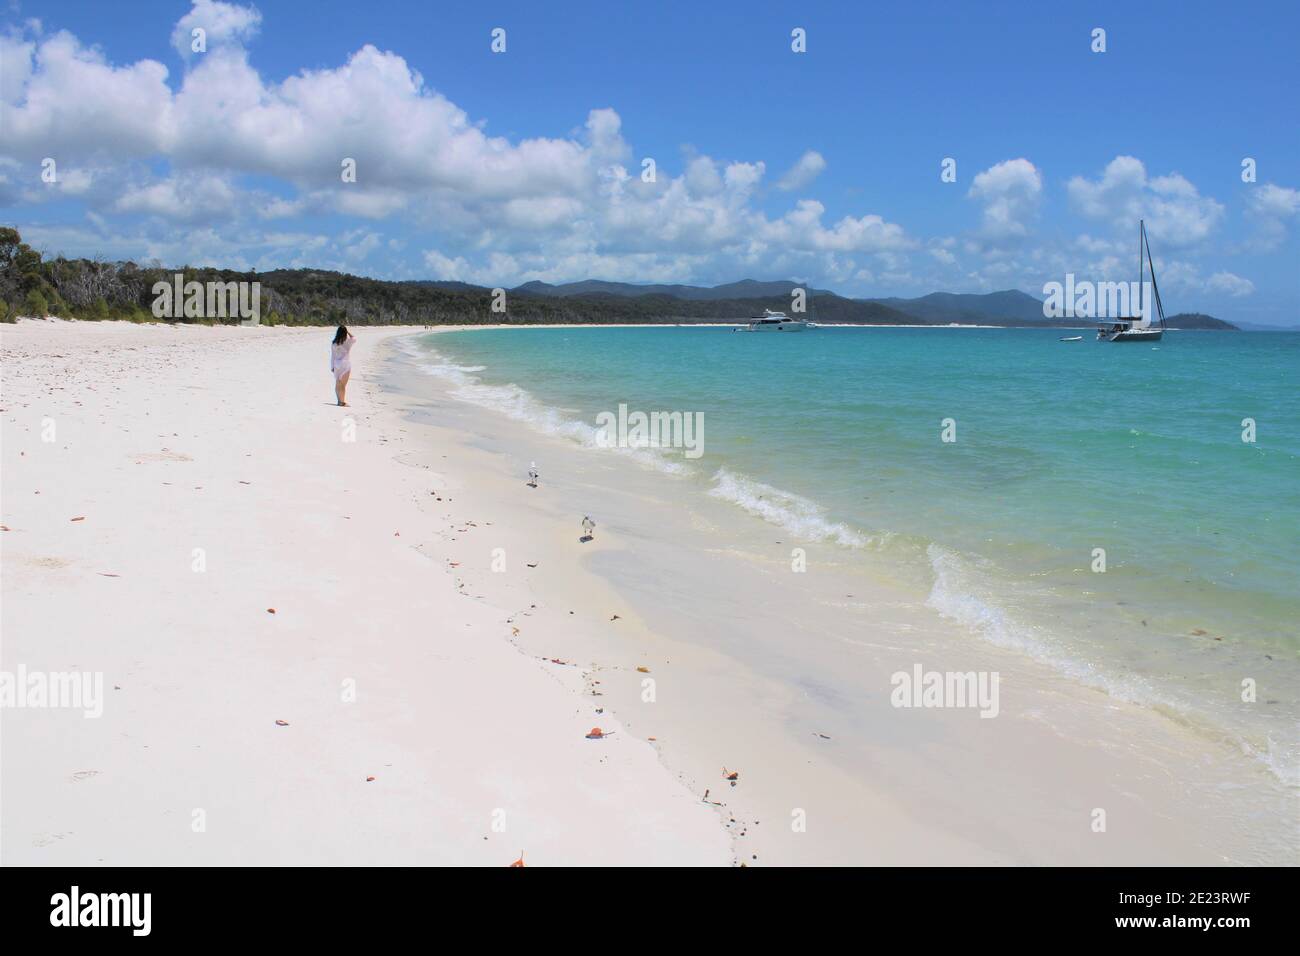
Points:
[(957, 594), (796, 514), (518, 404), (1282, 759)]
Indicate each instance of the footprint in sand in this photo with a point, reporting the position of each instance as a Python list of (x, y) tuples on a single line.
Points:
[(165, 455)]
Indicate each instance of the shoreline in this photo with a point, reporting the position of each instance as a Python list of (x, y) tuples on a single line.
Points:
[(1055, 726), (801, 722), (416, 329)]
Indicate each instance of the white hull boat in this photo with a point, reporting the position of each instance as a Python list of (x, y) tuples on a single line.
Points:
[(771, 321), (1122, 333)]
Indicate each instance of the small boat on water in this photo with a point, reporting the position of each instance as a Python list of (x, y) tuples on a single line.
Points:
[(1071, 338), (771, 321), (1138, 328)]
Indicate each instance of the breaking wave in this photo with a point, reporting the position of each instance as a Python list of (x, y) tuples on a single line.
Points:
[(798, 515)]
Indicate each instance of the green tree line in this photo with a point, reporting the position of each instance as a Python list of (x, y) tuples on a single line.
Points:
[(31, 285)]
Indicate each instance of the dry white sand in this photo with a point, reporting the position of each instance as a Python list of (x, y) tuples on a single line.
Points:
[(187, 447)]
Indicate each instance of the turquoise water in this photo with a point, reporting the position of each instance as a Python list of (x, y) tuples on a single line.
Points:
[(1060, 449)]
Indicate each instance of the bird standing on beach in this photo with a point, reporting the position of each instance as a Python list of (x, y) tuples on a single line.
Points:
[(588, 526), (532, 475)]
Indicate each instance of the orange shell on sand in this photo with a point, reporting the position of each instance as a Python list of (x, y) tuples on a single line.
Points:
[(596, 734), (520, 861)]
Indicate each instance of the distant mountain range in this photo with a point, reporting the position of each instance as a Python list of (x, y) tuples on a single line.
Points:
[(736, 300), (85, 289), (991, 308), (1259, 327), (744, 289)]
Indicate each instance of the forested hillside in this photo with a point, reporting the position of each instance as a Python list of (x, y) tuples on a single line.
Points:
[(94, 289)]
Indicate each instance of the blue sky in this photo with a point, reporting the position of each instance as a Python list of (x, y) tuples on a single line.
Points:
[(824, 165)]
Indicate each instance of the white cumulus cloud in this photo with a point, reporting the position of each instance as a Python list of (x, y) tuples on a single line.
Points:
[(222, 24), (808, 167), (1176, 213), (220, 161), (1010, 193), (1271, 207), (1229, 284)]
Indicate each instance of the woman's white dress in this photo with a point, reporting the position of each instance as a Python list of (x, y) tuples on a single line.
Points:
[(341, 358)]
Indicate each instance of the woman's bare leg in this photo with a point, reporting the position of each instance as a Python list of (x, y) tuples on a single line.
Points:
[(341, 387)]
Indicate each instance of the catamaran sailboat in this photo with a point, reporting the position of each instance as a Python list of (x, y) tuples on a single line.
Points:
[(1138, 329)]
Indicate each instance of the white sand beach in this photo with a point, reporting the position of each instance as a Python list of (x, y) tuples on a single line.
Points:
[(413, 569), (175, 438)]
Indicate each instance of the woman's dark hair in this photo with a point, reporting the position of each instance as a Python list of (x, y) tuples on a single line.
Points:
[(341, 335)]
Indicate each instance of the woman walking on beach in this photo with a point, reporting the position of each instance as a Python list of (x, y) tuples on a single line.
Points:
[(341, 361)]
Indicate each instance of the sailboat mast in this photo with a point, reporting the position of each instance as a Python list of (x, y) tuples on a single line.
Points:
[(1142, 236), (1155, 289)]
